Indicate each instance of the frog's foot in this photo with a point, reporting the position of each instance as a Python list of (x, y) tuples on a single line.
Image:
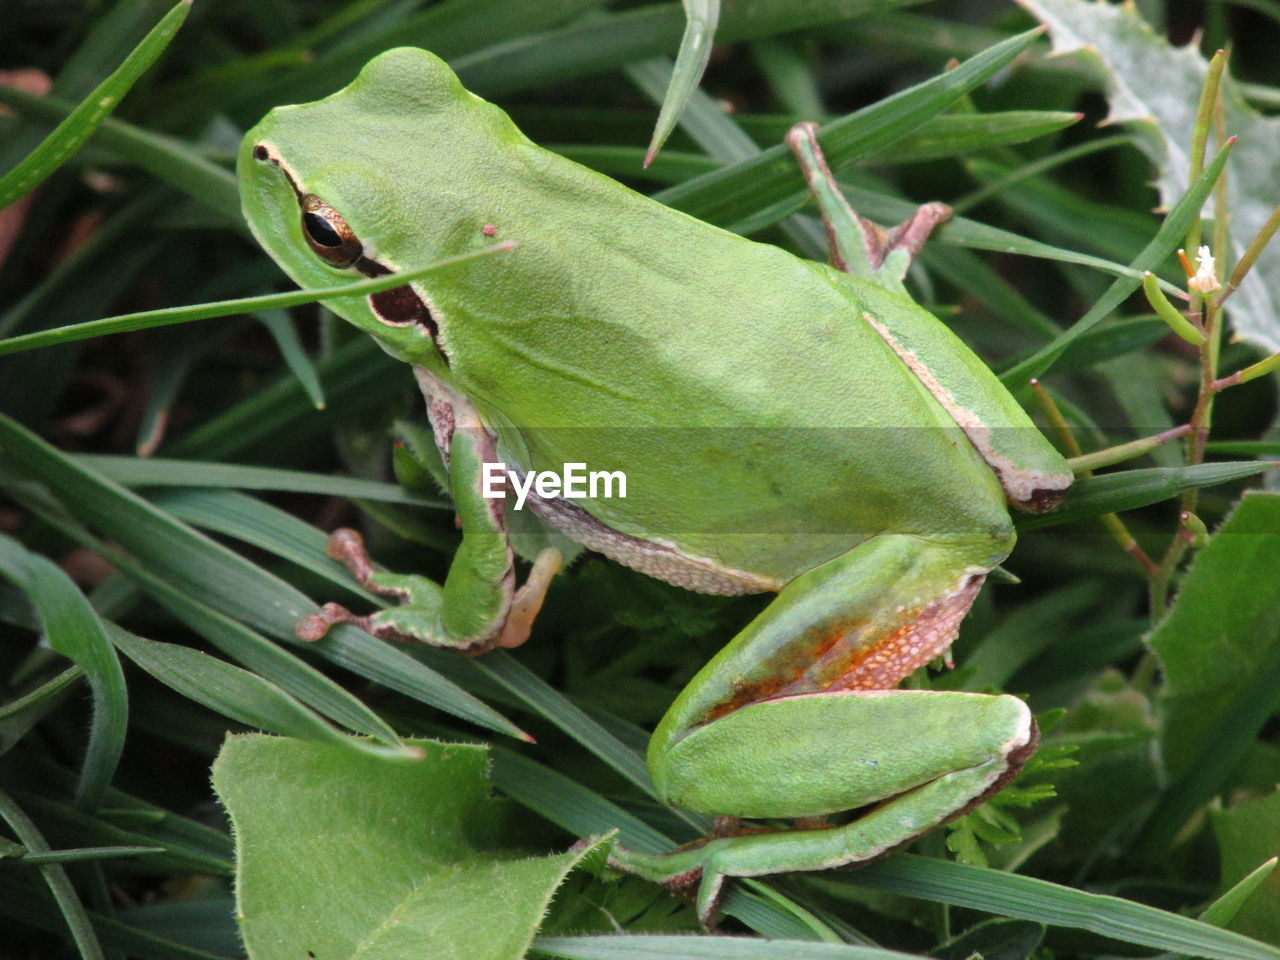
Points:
[(347, 547), (859, 246), (419, 617), (891, 824)]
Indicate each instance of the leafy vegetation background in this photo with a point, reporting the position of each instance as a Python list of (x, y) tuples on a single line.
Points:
[(182, 477)]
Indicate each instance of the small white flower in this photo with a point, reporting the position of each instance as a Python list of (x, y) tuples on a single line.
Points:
[(1205, 280)]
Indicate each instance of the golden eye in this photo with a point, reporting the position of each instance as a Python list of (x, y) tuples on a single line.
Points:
[(328, 234)]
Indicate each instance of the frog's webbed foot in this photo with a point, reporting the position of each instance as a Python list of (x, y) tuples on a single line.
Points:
[(859, 246), (419, 617)]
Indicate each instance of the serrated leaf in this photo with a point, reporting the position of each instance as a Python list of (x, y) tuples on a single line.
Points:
[(1154, 88), (343, 856)]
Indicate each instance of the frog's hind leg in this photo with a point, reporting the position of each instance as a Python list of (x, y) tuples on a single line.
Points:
[(796, 718), (859, 246), (883, 828), (1033, 474)]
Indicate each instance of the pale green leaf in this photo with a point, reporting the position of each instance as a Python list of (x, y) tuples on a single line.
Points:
[(1154, 89)]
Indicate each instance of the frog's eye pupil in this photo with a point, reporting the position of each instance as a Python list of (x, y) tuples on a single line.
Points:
[(320, 231), (328, 235)]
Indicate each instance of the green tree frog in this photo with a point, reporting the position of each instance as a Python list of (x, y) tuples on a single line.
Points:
[(783, 426)]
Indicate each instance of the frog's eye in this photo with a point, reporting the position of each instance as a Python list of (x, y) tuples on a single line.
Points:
[(328, 234)]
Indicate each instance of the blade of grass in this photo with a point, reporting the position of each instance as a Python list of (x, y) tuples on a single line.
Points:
[(223, 580), (1028, 898), (269, 661), (261, 525), (71, 627), (34, 910), (701, 17), (280, 325), (692, 947), (1130, 489), (569, 804), (55, 876), (81, 854), (170, 160), (162, 472), (1166, 238), (79, 125), (225, 308), (236, 693), (772, 177), (597, 44), (357, 376)]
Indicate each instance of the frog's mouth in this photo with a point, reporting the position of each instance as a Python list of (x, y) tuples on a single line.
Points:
[(330, 237)]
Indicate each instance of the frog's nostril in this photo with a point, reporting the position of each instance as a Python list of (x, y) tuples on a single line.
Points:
[(261, 153)]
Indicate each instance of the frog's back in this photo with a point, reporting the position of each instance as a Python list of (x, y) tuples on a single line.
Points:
[(759, 420)]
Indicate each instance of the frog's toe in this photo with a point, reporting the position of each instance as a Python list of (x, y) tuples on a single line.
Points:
[(316, 626)]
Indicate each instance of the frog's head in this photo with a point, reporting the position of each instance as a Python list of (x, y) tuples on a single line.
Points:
[(372, 180)]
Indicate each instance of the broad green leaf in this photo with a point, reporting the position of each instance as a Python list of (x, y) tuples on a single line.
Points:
[(90, 112), (71, 627), (341, 856), (1220, 649), (1249, 836), (1155, 88)]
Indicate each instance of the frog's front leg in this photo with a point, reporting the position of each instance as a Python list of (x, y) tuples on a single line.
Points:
[(796, 719), (478, 607)]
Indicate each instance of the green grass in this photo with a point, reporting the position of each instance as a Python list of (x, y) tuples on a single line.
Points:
[(167, 478)]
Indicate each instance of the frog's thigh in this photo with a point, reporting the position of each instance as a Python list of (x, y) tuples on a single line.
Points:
[(861, 621), (820, 754)]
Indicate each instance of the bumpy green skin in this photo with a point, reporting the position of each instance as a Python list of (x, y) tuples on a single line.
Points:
[(774, 418)]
